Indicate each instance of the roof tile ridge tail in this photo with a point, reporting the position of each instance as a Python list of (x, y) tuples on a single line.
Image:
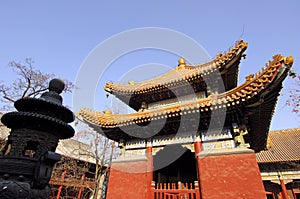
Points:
[(250, 88), (180, 73), (222, 58), (257, 82)]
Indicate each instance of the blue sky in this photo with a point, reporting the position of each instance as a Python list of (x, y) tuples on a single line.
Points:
[(59, 35)]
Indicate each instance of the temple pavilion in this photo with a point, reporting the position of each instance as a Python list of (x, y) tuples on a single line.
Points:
[(195, 132)]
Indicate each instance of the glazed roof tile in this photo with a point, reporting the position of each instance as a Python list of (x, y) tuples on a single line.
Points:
[(183, 72), (253, 86), (283, 146)]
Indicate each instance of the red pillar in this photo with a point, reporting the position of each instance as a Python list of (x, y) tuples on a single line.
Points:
[(60, 187), (284, 192), (198, 149), (80, 190), (149, 169), (197, 190), (198, 145)]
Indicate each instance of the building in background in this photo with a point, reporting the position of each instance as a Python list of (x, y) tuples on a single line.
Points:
[(280, 164), (4, 132), (73, 175)]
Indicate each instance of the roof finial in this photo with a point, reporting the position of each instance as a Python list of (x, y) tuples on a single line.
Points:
[(181, 62)]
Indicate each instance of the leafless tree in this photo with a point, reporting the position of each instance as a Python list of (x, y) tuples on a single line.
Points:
[(85, 165), (103, 151), (30, 82), (70, 175), (294, 94)]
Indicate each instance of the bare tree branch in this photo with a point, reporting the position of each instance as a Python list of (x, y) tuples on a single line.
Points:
[(294, 95), (102, 153), (30, 82), (27, 88), (36, 92)]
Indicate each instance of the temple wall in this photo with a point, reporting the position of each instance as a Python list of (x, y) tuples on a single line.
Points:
[(128, 178), (230, 173)]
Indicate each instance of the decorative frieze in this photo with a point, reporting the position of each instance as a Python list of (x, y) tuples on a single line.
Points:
[(216, 135), (211, 140), (160, 141), (133, 153), (172, 140), (135, 144), (218, 145), (217, 140)]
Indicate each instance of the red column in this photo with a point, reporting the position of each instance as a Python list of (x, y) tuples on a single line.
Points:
[(60, 187), (284, 192), (80, 190), (198, 149), (149, 169), (197, 190), (198, 145)]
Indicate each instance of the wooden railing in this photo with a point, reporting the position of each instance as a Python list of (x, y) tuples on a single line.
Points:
[(176, 190)]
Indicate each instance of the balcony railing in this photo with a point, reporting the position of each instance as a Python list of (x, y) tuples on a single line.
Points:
[(176, 190)]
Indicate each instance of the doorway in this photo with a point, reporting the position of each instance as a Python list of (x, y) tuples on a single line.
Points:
[(181, 169)]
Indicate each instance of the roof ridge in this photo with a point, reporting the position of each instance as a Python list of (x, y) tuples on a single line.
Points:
[(286, 130), (219, 61)]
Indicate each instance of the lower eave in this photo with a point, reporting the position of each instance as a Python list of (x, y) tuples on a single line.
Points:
[(275, 166), (257, 123), (256, 114)]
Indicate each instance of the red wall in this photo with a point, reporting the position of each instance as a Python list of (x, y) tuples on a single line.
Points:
[(228, 176), (128, 180)]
